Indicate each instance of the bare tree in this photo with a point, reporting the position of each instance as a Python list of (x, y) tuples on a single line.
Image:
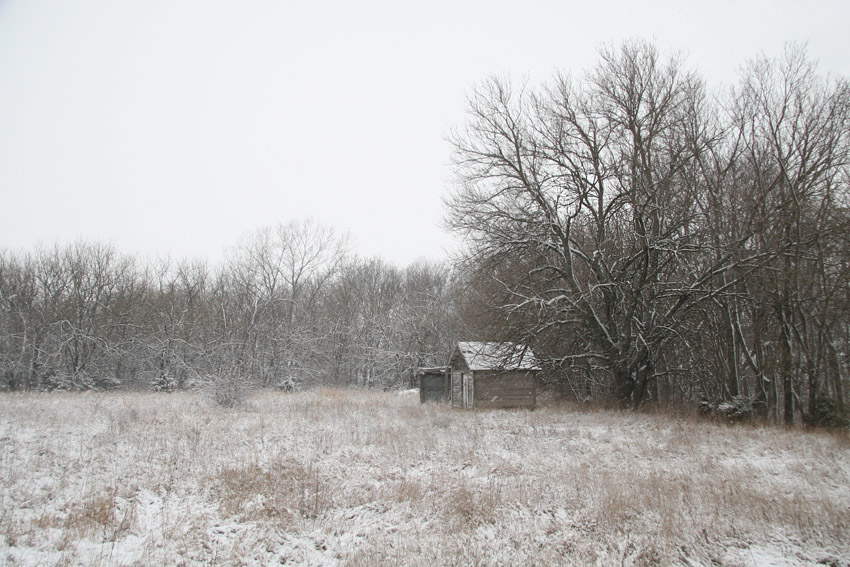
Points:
[(278, 276), (589, 184), (795, 131), (21, 329)]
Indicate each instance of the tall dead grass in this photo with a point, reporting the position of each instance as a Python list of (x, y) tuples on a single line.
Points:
[(366, 478)]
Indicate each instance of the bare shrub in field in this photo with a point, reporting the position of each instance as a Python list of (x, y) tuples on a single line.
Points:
[(227, 389), (337, 477)]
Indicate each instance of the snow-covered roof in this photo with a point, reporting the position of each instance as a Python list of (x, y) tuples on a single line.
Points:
[(432, 370), (497, 356)]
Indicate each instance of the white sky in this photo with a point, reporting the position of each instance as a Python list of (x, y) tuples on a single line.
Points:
[(177, 126)]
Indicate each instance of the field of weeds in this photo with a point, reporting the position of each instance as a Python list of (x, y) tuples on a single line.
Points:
[(363, 478)]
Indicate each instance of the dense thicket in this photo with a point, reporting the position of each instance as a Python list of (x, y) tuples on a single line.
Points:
[(290, 306), (659, 242)]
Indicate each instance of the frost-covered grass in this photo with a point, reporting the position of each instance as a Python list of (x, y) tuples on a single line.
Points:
[(358, 478)]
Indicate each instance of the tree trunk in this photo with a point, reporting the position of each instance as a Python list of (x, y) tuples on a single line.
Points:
[(786, 369), (836, 376), (624, 385)]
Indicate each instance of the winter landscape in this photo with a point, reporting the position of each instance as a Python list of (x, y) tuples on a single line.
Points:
[(345, 477), (243, 244)]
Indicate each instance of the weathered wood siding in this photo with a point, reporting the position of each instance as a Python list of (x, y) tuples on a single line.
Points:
[(457, 389), (516, 389), (458, 366)]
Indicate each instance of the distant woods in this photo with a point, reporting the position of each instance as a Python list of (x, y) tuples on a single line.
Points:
[(291, 307), (654, 242), (659, 242)]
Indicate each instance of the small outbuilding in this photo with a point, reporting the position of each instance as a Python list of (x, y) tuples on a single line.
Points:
[(433, 384), (493, 375)]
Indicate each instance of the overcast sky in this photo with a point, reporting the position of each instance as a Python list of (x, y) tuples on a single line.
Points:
[(176, 126)]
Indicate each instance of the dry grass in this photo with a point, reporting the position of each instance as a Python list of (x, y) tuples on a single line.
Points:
[(281, 491), (357, 478)]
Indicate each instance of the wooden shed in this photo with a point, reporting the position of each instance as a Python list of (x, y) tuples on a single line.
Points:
[(433, 384), (493, 375)]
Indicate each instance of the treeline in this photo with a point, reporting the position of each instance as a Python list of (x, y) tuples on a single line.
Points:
[(659, 242), (652, 240), (290, 306)]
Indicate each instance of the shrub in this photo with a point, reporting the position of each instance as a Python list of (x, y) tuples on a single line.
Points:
[(289, 383), (164, 383), (826, 414), (228, 389), (738, 408)]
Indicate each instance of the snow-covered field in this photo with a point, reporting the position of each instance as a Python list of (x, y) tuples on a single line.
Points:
[(363, 478)]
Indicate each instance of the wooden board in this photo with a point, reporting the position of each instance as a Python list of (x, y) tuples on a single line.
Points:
[(505, 390)]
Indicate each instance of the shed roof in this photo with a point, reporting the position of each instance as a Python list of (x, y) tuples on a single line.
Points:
[(497, 356), (432, 370)]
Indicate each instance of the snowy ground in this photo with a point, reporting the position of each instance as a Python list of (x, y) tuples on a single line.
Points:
[(354, 478)]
